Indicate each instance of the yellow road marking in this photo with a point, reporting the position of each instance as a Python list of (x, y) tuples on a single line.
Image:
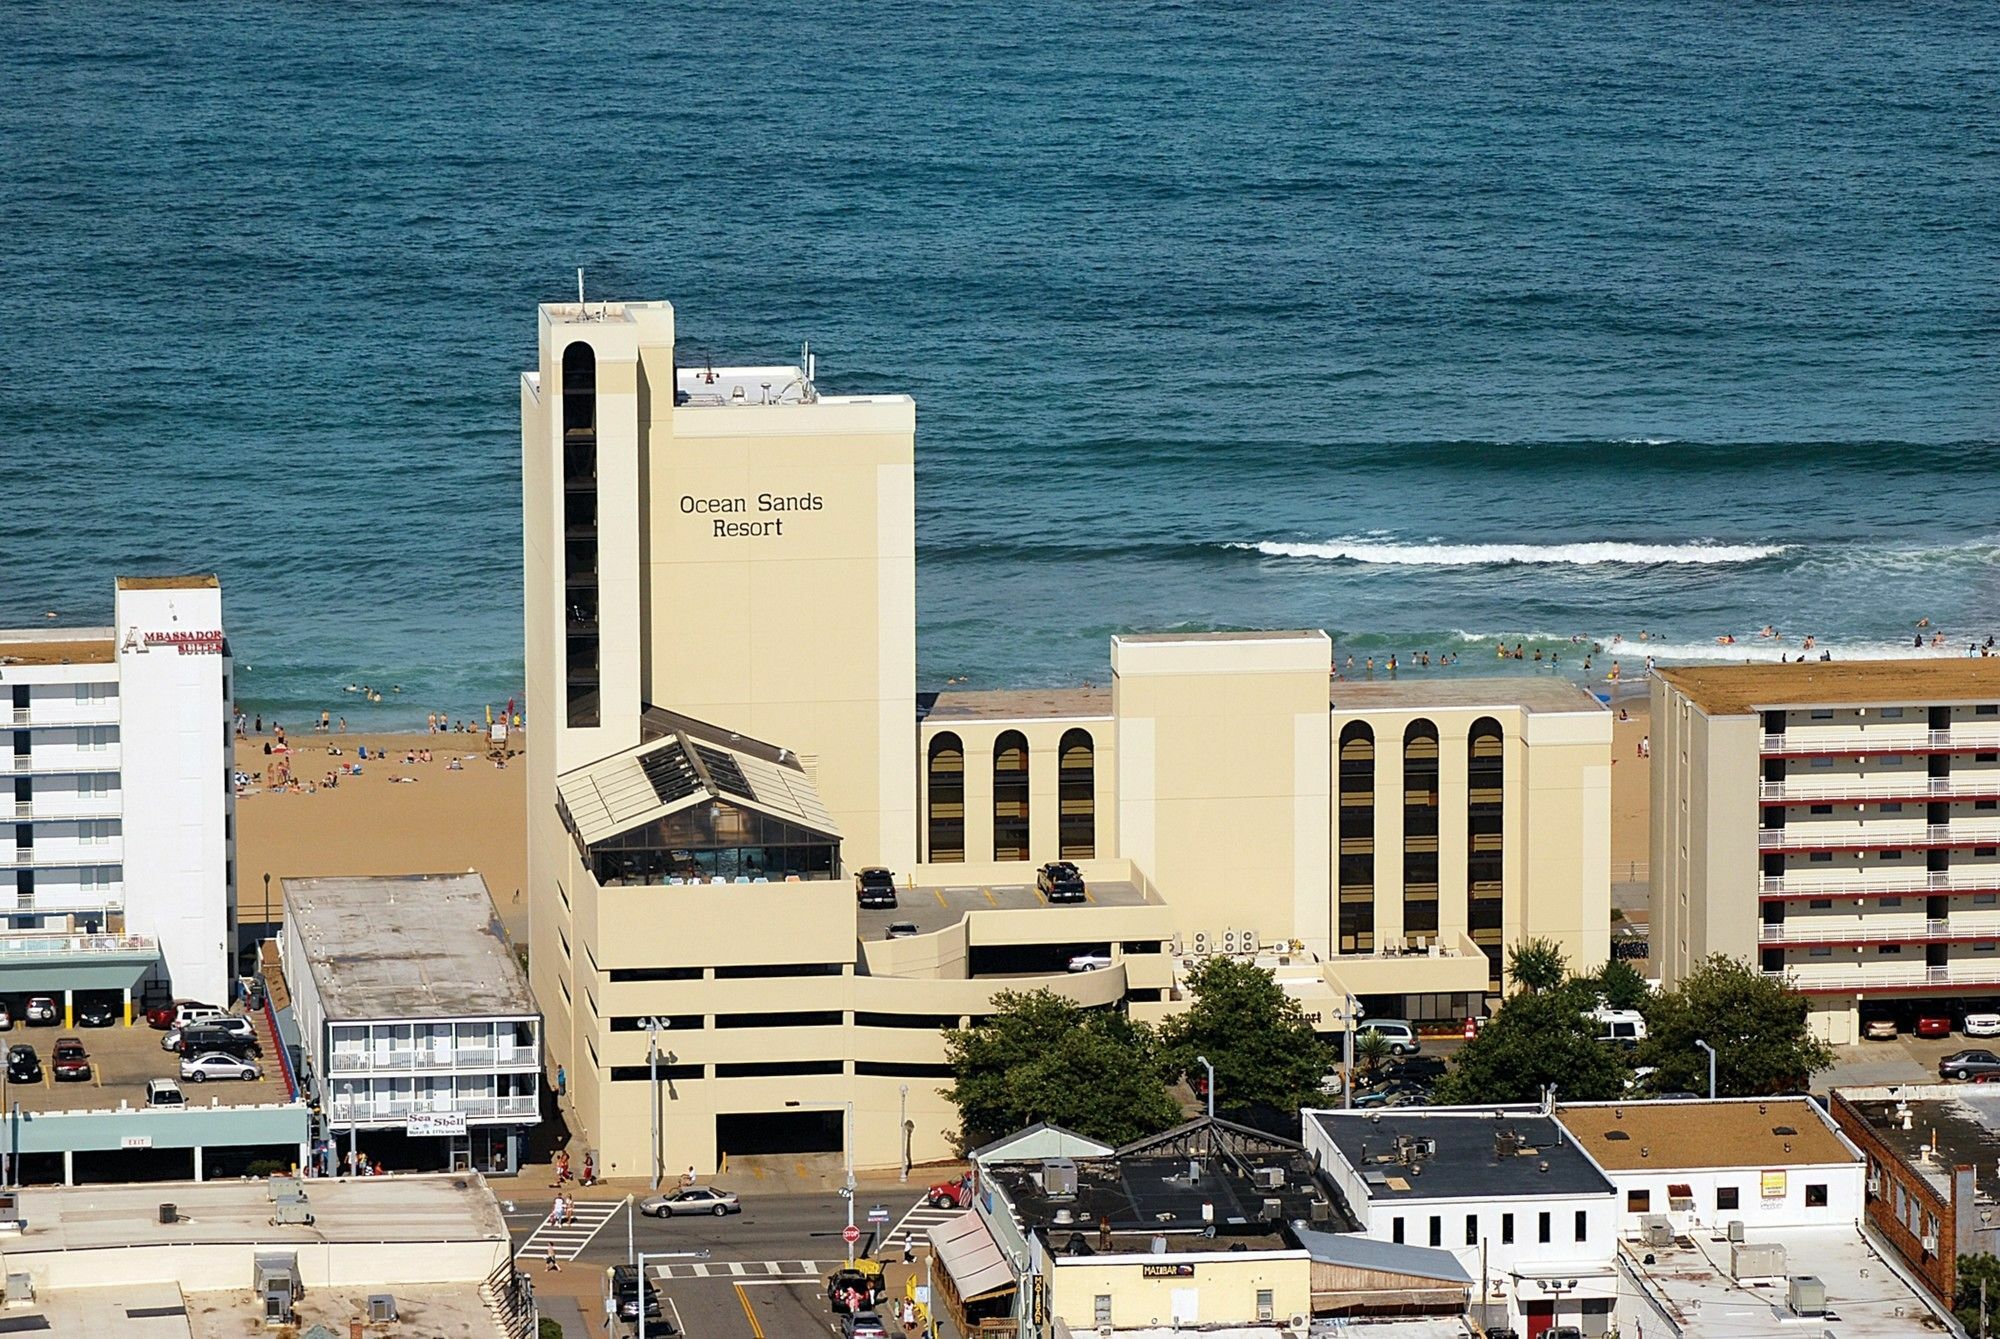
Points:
[(1089, 896), (989, 895), (749, 1315), (940, 897)]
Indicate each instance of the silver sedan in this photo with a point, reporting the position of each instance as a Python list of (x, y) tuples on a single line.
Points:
[(691, 1199)]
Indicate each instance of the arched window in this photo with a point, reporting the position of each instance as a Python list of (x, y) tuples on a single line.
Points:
[(1357, 838), (944, 791), (1486, 801), (1076, 794), (1420, 829), (1010, 796), (579, 464)]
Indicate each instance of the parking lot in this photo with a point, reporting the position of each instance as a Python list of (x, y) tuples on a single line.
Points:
[(122, 1059)]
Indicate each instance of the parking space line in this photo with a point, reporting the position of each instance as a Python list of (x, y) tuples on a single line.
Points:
[(756, 1330), (989, 896)]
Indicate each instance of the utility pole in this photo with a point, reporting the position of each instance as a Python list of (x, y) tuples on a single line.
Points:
[(903, 1132), (1711, 1066), (653, 1026)]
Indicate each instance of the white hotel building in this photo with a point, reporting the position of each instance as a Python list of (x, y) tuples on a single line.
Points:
[(115, 755)]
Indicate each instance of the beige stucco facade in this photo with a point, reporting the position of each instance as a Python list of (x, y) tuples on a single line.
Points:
[(1836, 824), (731, 546)]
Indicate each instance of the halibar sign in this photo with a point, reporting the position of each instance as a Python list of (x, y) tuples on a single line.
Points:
[(771, 505)]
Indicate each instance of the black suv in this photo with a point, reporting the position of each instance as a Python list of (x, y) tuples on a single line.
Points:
[(23, 1065), (625, 1288), (198, 1040), (1060, 881), (875, 887), (1982, 1066)]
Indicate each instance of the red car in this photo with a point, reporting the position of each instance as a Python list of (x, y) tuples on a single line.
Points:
[(950, 1194), (1934, 1025), (70, 1060)]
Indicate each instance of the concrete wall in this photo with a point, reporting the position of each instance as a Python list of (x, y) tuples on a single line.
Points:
[(1846, 1193), (1222, 1289)]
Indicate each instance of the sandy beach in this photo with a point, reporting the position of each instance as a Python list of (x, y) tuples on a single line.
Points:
[(394, 818)]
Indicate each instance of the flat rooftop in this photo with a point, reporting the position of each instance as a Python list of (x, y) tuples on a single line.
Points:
[(1245, 635), (1690, 1136), (57, 646), (1725, 690), (405, 946), (1430, 694), (1964, 1126), (1018, 704), (1865, 1297), (932, 909), (365, 1209), (198, 581), (1465, 1160)]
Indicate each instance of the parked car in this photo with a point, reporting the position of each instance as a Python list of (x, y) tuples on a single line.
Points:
[(1089, 962), (1981, 1025), (164, 1093), (226, 1026), (875, 886), (43, 1011), (690, 1200), (1965, 1065), (1879, 1029), (97, 1011), (69, 1061), (863, 1325), (856, 1287), (625, 1288), (197, 1042), (190, 1011), (1934, 1025), (217, 1065), (902, 929), (23, 1065), (1060, 881), (6, 1018), (1621, 1027), (1402, 1038), (950, 1195)]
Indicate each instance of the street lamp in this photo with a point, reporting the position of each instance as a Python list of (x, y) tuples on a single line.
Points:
[(640, 1293), (847, 1151), (1202, 1060), (903, 1129), (654, 1026), (1711, 1066)]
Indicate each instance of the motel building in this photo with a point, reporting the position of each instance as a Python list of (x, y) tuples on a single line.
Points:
[(115, 763), (1838, 823), (721, 640)]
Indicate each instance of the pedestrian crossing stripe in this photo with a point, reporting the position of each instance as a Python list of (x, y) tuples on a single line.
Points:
[(567, 1241), (791, 1271), (913, 1227)]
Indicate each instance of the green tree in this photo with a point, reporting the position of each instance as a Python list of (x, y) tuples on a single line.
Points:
[(1537, 965), (1756, 1024), (1264, 1051), (1041, 1058), (1972, 1271), (1371, 1054), (1537, 1038), (1621, 985)]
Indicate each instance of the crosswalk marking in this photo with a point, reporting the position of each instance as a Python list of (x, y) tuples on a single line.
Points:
[(770, 1271), (567, 1241), (913, 1228)]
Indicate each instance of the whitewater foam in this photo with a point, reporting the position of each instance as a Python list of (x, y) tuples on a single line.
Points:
[(1703, 552)]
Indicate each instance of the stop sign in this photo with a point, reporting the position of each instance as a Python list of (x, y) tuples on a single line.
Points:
[(850, 1234)]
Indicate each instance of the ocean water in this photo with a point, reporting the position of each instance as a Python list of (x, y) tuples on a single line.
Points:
[(1428, 324)]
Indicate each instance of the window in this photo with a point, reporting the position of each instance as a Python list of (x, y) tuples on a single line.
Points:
[(1815, 1195), (1987, 709), (1985, 899), (1822, 713), (1891, 714), (1357, 838), (1420, 828), (1076, 795), (1986, 804), (1267, 1305), (1891, 855), (1102, 1311), (579, 448), (1472, 1229), (945, 797), (1010, 796), (1485, 823), (1725, 1197), (1506, 1229), (1821, 762), (1542, 1233), (1820, 809), (1986, 947), (1819, 951), (1893, 807), (1889, 902), (1638, 1201), (1396, 1230), (1888, 950), (1437, 1230), (1821, 857), (1894, 760), (1582, 1224), (1819, 904)]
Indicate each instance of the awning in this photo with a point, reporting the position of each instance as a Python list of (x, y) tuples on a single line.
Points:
[(966, 1249), (1680, 1190)]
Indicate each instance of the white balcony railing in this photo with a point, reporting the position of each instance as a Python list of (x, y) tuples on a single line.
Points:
[(363, 1109), (406, 1060), (67, 762), (74, 857), (1867, 883), (1807, 836), (1873, 977), (54, 947), (1882, 738), (1811, 791), (1886, 930), (32, 811), (54, 717)]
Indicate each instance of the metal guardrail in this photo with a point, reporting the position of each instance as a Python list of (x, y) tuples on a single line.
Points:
[(1882, 834), (1810, 740), (1917, 788)]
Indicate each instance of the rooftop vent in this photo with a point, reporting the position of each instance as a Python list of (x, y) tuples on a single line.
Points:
[(1618, 1135), (1783, 1130)]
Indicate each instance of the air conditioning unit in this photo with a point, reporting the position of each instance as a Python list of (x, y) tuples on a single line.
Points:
[(1201, 943), (1229, 941), (1247, 941), (1806, 1294), (1736, 1229), (381, 1308), (1268, 1178), (1931, 1244), (1296, 1322), (1656, 1229)]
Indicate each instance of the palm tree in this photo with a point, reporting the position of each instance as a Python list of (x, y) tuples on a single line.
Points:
[(1371, 1053)]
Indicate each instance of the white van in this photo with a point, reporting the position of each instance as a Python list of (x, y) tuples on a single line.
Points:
[(1624, 1027), (1402, 1038)]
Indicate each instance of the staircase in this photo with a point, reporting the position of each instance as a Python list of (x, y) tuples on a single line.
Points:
[(510, 1301)]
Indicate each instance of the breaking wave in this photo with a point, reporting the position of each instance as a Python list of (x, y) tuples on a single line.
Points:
[(1701, 552)]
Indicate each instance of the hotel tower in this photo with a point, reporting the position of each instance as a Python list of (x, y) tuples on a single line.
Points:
[(721, 664)]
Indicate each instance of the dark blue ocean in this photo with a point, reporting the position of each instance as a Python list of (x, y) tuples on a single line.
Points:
[(1426, 324)]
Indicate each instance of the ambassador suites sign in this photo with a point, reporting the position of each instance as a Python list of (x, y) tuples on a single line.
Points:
[(202, 643), (757, 517)]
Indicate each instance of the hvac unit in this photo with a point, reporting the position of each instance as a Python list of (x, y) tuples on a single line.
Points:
[(1296, 1322), (1807, 1295), (275, 1280), (1229, 941), (1246, 941), (1656, 1229), (1059, 1178), (1931, 1244), (1735, 1230), (1201, 943), (1268, 1178), (1764, 1260), (381, 1308)]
